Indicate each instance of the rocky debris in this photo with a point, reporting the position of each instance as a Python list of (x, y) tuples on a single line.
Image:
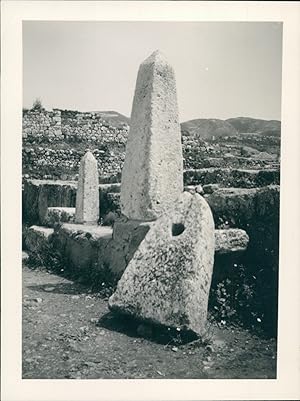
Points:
[(173, 289), (58, 215), (153, 167)]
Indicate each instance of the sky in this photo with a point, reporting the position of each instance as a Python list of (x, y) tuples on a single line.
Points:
[(223, 69)]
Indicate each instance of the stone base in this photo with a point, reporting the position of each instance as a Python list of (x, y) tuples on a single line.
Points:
[(230, 241), (127, 236)]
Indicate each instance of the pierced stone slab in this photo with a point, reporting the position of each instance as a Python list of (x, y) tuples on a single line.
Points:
[(168, 279)]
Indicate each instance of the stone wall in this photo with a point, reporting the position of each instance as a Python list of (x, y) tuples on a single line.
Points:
[(54, 142), (41, 123)]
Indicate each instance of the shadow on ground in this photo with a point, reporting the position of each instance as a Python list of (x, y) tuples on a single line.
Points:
[(155, 333), (60, 288)]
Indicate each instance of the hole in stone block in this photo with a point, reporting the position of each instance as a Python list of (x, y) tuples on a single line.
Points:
[(177, 229)]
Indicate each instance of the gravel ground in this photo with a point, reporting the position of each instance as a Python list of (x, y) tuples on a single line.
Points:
[(69, 333)]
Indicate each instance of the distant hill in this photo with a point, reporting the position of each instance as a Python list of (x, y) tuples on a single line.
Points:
[(114, 118), (254, 125), (208, 128)]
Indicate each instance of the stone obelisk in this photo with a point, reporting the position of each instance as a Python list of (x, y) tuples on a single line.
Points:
[(152, 176), (87, 196)]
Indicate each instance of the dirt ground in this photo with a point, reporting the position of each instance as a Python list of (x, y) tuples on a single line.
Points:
[(69, 333)]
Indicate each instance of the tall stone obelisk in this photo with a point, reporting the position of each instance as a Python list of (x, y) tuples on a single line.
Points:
[(152, 176), (87, 196)]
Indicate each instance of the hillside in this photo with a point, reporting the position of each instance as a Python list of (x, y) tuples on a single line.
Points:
[(113, 118), (254, 125), (208, 128)]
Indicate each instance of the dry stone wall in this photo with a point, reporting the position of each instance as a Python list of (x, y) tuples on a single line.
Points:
[(41, 123), (55, 141)]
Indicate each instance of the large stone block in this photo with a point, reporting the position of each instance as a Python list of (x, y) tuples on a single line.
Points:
[(38, 195), (152, 175), (81, 244), (168, 279)]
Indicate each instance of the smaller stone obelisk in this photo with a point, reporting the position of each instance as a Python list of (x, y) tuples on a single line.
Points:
[(87, 196)]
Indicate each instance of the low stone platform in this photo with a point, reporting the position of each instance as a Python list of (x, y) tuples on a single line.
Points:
[(86, 246), (230, 241), (37, 238), (83, 246)]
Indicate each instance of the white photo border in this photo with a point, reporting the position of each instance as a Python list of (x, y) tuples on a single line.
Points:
[(287, 384)]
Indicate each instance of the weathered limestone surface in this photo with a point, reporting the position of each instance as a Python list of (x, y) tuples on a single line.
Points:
[(168, 279), (81, 245), (87, 196), (38, 195), (231, 241), (152, 175)]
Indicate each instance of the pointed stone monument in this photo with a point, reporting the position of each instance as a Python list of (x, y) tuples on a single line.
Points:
[(152, 176), (87, 196)]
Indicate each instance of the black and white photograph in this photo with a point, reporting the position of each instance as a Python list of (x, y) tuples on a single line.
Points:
[(151, 188), (150, 200)]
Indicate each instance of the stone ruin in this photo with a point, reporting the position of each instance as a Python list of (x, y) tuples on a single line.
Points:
[(168, 279), (162, 248)]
